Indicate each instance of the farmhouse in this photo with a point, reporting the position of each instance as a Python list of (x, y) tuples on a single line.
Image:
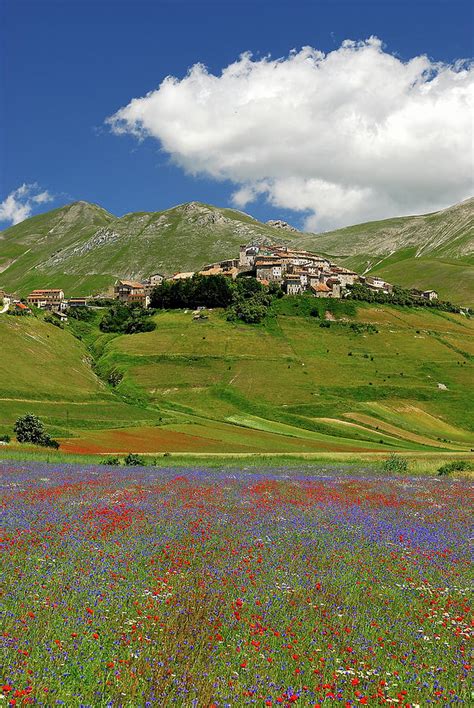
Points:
[(375, 283), (270, 269), (150, 283), (227, 272), (247, 255), (346, 277), (131, 292), (155, 279), (334, 284), (222, 266), (183, 276), (77, 302), (321, 290), (19, 308), (292, 284), (47, 299)]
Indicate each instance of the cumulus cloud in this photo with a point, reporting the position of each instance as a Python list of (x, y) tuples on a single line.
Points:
[(347, 136), (19, 204)]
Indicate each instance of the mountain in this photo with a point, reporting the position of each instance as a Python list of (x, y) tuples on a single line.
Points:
[(428, 251), (83, 248), (26, 248)]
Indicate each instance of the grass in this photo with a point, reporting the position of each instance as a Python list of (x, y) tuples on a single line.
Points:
[(285, 386), (428, 273), (232, 586), (419, 462), (45, 370)]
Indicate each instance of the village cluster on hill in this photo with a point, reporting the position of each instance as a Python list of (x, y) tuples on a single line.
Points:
[(296, 271)]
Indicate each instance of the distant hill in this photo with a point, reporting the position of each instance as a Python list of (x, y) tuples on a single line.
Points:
[(83, 248), (429, 251)]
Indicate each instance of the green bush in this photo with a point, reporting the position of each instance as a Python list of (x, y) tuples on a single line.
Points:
[(84, 314), (127, 319), (133, 460), (5, 438), (115, 377), (51, 319), (395, 463), (251, 310), (48, 441), (454, 466), (110, 461)]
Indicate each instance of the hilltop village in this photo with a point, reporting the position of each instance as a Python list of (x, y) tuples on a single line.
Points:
[(296, 271)]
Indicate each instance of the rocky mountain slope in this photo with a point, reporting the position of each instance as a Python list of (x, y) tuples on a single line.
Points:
[(83, 248)]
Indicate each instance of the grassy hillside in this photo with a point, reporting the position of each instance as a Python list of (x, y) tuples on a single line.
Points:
[(429, 251), (47, 371), (285, 386)]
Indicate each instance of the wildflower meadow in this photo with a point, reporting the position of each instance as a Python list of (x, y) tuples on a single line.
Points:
[(212, 588)]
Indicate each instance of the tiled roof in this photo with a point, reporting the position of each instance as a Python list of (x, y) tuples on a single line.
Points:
[(182, 276), (130, 283)]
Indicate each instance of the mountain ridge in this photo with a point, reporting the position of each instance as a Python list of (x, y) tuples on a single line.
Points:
[(83, 248)]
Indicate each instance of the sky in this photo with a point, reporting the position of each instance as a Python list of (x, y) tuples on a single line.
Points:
[(322, 113)]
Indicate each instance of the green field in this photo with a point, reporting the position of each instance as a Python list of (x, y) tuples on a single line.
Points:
[(288, 386)]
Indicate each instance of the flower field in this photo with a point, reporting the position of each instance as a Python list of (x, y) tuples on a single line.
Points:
[(143, 586)]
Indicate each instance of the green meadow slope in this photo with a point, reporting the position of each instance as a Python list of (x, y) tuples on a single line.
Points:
[(286, 386), (83, 248), (48, 371), (428, 251)]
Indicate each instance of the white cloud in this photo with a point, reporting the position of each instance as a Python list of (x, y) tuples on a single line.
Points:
[(346, 136), (20, 203)]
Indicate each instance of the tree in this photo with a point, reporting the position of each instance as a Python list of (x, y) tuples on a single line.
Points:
[(251, 310), (247, 287), (30, 429), (200, 290)]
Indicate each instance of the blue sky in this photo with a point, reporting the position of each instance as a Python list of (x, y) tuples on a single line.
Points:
[(70, 64)]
